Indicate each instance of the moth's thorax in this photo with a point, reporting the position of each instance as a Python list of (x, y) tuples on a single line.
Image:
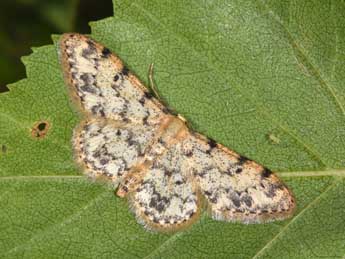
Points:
[(173, 129)]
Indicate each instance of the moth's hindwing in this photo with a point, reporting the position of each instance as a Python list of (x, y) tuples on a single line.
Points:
[(235, 187)]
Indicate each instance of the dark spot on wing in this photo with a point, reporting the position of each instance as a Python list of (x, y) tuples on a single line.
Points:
[(207, 193), (91, 44), (271, 191), (104, 161), (239, 170), (106, 52), (142, 101), (74, 75), (88, 88), (242, 160), (167, 173), (236, 201), (247, 200), (212, 144), (97, 154), (145, 119), (123, 115), (91, 49), (229, 172), (162, 142), (160, 207), (266, 173), (281, 186), (191, 213), (102, 113), (86, 127), (153, 202), (189, 153), (148, 95), (86, 78), (116, 77), (205, 171), (213, 199), (131, 142), (166, 110), (125, 71), (98, 109), (157, 202)]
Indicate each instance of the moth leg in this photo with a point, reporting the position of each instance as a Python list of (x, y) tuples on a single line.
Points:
[(133, 179)]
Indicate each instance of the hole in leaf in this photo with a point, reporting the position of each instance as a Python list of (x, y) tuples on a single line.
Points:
[(40, 129), (41, 126)]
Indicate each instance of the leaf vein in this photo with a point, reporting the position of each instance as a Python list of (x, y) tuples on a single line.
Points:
[(271, 242), (182, 40)]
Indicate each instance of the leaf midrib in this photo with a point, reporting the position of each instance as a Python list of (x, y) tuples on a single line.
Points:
[(309, 65), (329, 172), (283, 229), (64, 221)]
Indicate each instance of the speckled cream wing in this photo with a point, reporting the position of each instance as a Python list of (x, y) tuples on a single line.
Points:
[(236, 188), (166, 170), (167, 198), (110, 148), (121, 115), (102, 86)]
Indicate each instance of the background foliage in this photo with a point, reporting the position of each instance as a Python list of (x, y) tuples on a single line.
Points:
[(265, 78), (27, 23)]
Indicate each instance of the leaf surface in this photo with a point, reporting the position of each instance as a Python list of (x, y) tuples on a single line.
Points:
[(265, 78)]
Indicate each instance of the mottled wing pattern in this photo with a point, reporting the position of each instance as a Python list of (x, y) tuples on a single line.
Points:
[(236, 188), (102, 86), (109, 148), (122, 115), (131, 139), (167, 198)]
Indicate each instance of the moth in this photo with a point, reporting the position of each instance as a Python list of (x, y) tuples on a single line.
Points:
[(168, 172)]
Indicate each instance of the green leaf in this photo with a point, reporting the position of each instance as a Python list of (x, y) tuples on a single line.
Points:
[(265, 78)]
